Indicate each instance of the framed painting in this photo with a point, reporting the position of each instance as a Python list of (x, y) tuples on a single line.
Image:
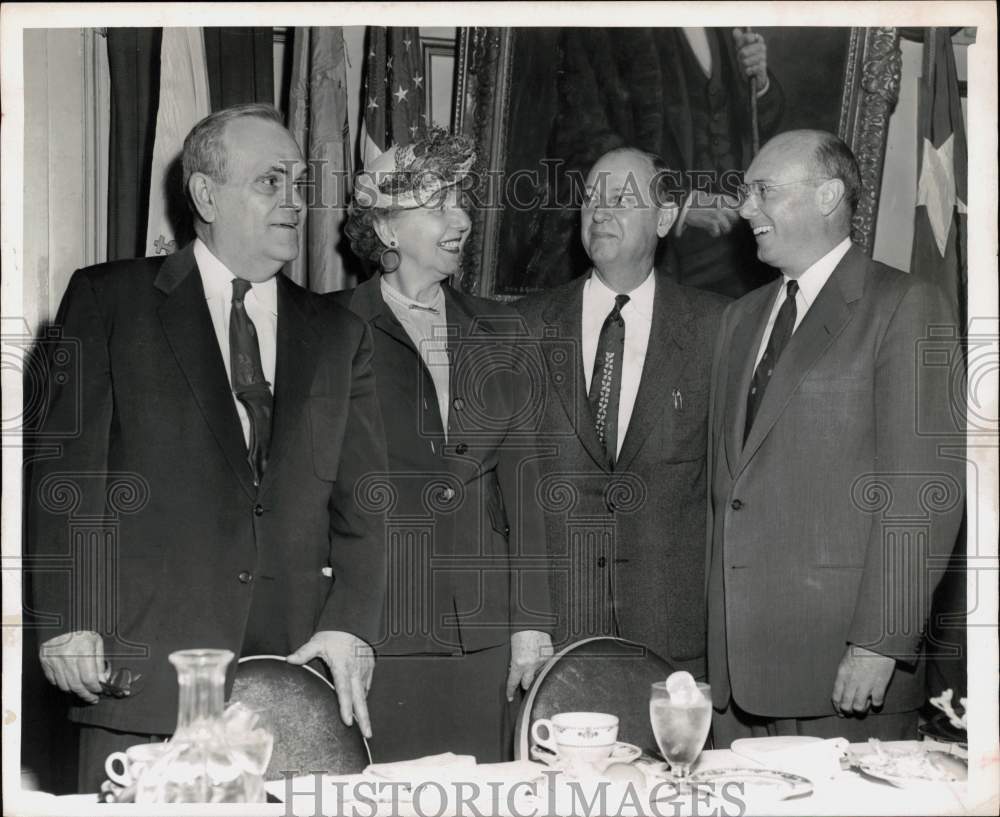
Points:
[(543, 103)]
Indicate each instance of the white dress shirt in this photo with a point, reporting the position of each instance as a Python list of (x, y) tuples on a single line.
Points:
[(810, 283), (261, 303), (427, 326), (598, 301)]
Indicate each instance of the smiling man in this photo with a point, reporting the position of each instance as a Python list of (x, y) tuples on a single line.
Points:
[(240, 411), (831, 430), (626, 362)]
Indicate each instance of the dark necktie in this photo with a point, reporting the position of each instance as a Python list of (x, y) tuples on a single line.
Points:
[(780, 333), (606, 382), (249, 385)]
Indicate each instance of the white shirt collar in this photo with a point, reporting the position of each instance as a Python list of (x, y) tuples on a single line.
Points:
[(814, 279), (389, 292), (217, 280), (640, 299)]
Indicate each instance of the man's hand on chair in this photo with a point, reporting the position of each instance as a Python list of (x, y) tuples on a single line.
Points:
[(529, 649), (351, 662)]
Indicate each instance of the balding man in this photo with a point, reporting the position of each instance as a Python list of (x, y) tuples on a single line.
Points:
[(832, 483), (229, 417), (626, 367)]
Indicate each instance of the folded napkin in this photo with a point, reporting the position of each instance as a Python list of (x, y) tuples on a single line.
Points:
[(812, 758)]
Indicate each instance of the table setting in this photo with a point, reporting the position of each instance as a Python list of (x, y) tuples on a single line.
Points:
[(577, 766)]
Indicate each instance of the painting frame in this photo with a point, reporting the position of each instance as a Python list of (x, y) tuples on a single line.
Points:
[(484, 66)]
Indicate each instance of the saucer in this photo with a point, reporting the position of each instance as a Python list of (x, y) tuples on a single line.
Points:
[(620, 753)]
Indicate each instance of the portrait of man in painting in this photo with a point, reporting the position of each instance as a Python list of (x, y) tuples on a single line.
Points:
[(543, 104)]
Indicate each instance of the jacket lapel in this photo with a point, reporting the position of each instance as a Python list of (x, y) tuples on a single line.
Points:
[(743, 348), (668, 335), (827, 316), (369, 304), (188, 328), (293, 372), (564, 319)]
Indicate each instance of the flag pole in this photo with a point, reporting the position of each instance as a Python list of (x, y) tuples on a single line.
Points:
[(754, 130)]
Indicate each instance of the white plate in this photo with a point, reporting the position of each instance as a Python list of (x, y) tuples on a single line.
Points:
[(755, 783), (939, 772)]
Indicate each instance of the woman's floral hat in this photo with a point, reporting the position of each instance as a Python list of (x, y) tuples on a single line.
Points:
[(403, 178)]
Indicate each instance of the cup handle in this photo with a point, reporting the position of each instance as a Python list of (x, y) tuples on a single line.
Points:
[(122, 778), (549, 740)]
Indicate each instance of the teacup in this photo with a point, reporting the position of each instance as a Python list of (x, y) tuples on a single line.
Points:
[(578, 737), (124, 768)]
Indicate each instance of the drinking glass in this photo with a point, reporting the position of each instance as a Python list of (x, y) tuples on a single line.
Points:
[(680, 727)]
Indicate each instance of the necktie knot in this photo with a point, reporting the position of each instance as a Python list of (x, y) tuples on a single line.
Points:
[(616, 313), (791, 289), (240, 288)]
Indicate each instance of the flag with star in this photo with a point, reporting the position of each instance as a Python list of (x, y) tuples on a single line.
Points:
[(393, 90), (939, 237)]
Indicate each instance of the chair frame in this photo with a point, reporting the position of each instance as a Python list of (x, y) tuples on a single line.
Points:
[(522, 727)]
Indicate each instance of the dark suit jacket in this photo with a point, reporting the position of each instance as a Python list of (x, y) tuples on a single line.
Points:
[(627, 545), (466, 537), (825, 526), (149, 516)]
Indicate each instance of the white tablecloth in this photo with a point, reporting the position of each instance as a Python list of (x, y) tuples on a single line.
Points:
[(848, 793)]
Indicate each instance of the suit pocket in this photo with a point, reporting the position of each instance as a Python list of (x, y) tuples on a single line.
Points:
[(684, 426), (327, 420)]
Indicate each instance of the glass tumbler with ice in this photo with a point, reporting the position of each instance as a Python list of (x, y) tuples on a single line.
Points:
[(680, 711)]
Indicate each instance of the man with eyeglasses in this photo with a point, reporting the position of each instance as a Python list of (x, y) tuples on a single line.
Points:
[(212, 494), (822, 529), (624, 420)]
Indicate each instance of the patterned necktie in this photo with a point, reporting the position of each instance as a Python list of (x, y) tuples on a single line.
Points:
[(247, 373), (780, 333), (606, 382)]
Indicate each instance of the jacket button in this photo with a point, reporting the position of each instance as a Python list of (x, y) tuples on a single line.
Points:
[(458, 403), (461, 448), (245, 577), (736, 504), (602, 562), (258, 510), (506, 530)]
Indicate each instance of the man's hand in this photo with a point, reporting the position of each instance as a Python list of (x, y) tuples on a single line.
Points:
[(862, 678), (351, 662), (529, 649), (716, 221), (751, 51), (74, 662)]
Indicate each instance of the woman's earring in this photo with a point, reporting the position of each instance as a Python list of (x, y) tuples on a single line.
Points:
[(390, 258)]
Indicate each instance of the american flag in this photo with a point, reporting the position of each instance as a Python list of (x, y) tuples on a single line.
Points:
[(394, 90)]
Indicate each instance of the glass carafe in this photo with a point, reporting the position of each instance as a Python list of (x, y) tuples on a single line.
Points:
[(202, 763)]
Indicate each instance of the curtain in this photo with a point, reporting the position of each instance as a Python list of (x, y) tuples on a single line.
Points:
[(134, 68), (240, 65), (317, 118)]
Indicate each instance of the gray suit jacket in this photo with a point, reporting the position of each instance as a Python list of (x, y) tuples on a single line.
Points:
[(825, 526), (627, 544)]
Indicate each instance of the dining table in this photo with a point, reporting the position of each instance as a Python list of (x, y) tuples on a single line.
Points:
[(437, 788)]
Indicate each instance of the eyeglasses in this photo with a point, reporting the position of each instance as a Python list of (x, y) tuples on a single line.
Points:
[(122, 683), (760, 190)]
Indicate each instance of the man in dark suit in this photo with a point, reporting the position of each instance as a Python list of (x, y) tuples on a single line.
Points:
[(835, 483), (225, 417), (626, 363)]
